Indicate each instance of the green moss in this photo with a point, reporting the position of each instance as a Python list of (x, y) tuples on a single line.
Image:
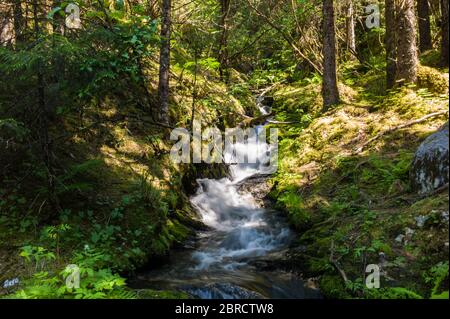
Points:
[(298, 215), (443, 295), (333, 287), (161, 294), (432, 79), (179, 231), (429, 204), (292, 102), (360, 203), (393, 293)]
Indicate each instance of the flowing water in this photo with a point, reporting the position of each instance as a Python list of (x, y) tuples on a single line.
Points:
[(223, 262)]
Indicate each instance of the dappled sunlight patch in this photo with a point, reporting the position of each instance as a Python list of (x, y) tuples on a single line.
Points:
[(298, 97), (347, 93), (110, 156), (213, 99), (109, 112), (432, 79), (361, 202), (410, 104)]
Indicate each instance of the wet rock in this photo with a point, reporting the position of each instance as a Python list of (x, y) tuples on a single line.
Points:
[(382, 259), (445, 216), (189, 244), (429, 169), (265, 102), (300, 249), (421, 220), (312, 283), (409, 233), (199, 171), (268, 100), (222, 291), (271, 261), (258, 186), (399, 238)]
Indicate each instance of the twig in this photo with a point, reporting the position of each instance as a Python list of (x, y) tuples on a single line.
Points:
[(247, 45), (395, 128), (287, 37), (243, 115), (280, 122), (335, 263), (270, 88), (255, 120)]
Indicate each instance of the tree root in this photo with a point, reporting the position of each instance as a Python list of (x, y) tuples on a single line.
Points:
[(435, 192)]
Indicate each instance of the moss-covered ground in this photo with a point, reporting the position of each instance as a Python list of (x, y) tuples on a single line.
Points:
[(122, 201), (349, 206)]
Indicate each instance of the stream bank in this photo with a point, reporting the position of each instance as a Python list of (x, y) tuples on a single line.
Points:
[(240, 254), (352, 208), (247, 262)]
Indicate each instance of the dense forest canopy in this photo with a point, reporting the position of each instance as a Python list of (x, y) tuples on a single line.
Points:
[(90, 91)]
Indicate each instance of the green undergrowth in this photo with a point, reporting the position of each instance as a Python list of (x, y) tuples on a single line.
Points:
[(96, 279), (349, 205), (117, 195)]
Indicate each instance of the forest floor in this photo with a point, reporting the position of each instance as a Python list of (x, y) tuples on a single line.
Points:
[(352, 203), (126, 203)]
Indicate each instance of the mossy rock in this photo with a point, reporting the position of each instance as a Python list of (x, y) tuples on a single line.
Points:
[(430, 165), (201, 170)]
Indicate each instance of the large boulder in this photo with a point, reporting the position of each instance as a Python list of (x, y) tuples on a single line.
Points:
[(429, 169)]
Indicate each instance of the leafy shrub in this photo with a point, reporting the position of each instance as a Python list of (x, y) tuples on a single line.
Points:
[(37, 256), (298, 215), (437, 276), (95, 281)]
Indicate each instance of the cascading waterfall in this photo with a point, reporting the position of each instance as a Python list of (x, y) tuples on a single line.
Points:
[(242, 225), (240, 232)]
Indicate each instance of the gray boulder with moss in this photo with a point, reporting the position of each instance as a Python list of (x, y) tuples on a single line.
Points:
[(429, 169)]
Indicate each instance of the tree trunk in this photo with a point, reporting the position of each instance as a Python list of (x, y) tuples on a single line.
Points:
[(444, 28), (58, 20), (164, 62), (223, 41), (7, 30), (391, 48), (18, 20), (194, 91), (407, 60), (330, 91), (43, 116), (423, 10), (350, 28)]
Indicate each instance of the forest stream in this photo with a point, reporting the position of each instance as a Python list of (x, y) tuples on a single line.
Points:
[(256, 149), (221, 265)]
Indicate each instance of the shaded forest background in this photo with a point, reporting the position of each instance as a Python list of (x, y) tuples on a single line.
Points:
[(85, 116)]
